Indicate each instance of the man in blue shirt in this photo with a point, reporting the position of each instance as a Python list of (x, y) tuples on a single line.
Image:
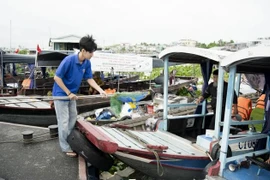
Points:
[(68, 78)]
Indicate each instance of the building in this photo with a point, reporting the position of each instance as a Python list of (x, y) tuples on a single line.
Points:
[(185, 42), (238, 46), (68, 42)]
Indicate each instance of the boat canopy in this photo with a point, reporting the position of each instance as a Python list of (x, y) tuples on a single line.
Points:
[(17, 58), (51, 58), (250, 60), (193, 55), (254, 60), (182, 54)]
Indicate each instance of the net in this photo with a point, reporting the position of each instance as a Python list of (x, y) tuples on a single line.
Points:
[(118, 99)]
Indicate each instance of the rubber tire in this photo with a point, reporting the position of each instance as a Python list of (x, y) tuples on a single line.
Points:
[(259, 163), (88, 151), (216, 151), (207, 167)]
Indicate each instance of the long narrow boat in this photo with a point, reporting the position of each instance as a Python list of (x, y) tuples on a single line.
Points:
[(158, 154), (37, 112)]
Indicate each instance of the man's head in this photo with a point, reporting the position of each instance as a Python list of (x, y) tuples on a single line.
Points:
[(215, 76), (87, 46)]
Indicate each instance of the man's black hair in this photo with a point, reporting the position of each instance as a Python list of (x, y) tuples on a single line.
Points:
[(88, 43), (215, 72)]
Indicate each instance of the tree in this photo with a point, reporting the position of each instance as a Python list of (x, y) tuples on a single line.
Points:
[(23, 51)]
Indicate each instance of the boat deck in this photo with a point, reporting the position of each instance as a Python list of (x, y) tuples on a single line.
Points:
[(25, 103), (139, 140)]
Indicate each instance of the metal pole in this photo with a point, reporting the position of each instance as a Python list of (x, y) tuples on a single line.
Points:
[(165, 92), (219, 102), (10, 35), (118, 82), (227, 120), (2, 73), (237, 83)]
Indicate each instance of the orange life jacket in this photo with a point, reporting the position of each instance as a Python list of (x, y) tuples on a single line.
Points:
[(244, 107), (260, 102)]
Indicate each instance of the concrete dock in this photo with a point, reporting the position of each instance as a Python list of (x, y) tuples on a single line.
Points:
[(41, 159)]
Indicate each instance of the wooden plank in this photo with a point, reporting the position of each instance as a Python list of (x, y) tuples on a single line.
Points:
[(42, 105), (25, 103), (177, 146), (178, 143), (174, 147), (122, 139)]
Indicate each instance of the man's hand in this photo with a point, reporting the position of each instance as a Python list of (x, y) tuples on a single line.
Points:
[(103, 93), (267, 161), (72, 96), (199, 100)]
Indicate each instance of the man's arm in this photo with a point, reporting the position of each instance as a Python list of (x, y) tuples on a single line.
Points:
[(205, 95), (93, 84), (61, 84)]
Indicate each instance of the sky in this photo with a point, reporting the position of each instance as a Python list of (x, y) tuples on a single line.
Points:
[(27, 23)]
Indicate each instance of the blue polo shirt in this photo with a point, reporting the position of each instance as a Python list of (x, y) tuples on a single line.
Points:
[(72, 72)]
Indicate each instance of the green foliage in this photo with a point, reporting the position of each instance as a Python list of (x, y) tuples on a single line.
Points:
[(182, 92), (257, 114), (23, 51), (117, 166), (214, 44), (51, 72)]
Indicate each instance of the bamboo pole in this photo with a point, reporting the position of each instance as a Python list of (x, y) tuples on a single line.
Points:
[(50, 98)]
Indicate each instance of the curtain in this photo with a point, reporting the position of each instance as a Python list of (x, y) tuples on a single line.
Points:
[(261, 143), (32, 75)]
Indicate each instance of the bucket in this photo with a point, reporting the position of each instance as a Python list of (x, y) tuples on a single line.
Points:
[(150, 109)]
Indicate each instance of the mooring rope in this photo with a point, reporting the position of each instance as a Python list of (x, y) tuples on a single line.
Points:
[(160, 169)]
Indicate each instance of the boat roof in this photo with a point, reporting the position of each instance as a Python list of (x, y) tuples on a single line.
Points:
[(182, 54), (44, 58), (250, 60), (17, 58), (51, 58)]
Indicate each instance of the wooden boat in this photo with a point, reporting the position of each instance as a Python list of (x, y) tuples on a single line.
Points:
[(40, 112), (158, 154)]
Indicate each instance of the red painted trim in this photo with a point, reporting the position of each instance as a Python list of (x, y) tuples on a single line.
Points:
[(97, 137), (82, 168)]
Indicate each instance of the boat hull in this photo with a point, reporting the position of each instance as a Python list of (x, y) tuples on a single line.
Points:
[(33, 120), (172, 169)]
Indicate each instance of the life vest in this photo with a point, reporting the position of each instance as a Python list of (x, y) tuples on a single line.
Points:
[(260, 102), (244, 107), (26, 83)]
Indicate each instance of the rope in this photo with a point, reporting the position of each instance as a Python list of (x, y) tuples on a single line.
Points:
[(160, 170), (33, 140)]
